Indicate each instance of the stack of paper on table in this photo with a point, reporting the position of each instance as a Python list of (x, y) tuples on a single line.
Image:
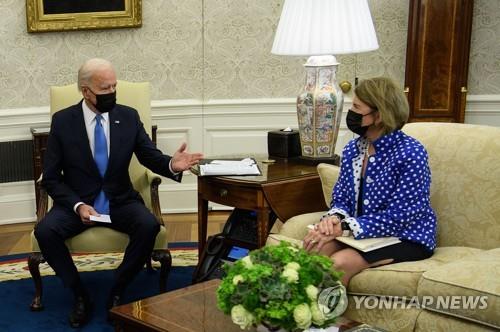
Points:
[(245, 166)]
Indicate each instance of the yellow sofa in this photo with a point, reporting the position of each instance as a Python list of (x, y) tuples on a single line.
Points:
[(465, 193)]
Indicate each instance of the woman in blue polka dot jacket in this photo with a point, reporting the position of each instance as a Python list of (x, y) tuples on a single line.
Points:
[(383, 186)]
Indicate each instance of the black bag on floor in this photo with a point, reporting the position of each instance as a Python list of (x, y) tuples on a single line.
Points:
[(238, 237)]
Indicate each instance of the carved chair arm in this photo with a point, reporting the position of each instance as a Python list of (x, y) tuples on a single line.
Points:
[(43, 201)]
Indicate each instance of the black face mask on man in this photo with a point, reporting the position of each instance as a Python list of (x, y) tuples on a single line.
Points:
[(354, 120), (105, 102)]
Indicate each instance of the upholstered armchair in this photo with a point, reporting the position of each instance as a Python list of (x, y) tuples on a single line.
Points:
[(465, 194), (102, 239)]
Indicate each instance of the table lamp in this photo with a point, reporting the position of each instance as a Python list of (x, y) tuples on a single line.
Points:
[(321, 29)]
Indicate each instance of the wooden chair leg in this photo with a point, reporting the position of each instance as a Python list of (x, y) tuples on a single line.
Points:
[(34, 261), (163, 256)]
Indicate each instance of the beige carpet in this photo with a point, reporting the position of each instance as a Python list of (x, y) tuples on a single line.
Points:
[(18, 268)]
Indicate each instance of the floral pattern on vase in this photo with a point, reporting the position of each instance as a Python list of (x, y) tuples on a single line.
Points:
[(319, 111)]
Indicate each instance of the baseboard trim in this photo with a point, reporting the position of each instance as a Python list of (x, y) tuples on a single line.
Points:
[(13, 221), (17, 202)]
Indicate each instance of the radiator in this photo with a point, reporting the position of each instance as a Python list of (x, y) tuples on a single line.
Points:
[(16, 161)]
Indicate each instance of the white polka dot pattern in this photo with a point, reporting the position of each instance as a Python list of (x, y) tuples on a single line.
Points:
[(396, 192)]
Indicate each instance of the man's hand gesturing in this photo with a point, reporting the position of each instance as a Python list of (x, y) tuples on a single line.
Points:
[(182, 160)]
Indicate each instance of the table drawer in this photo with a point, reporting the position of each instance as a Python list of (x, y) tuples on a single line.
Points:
[(231, 195)]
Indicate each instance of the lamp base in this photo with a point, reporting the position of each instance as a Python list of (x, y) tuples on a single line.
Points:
[(319, 110), (335, 160)]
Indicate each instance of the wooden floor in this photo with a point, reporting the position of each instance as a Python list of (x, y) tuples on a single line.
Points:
[(15, 239)]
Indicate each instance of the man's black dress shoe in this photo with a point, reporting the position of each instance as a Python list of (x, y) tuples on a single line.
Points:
[(81, 312)]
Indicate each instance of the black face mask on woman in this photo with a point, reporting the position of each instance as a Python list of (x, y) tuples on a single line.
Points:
[(354, 120), (105, 102)]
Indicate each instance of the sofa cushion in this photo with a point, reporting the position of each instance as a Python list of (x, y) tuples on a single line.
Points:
[(275, 239), (465, 187), (401, 279), (432, 321), (296, 227), (328, 175), (475, 275), (398, 319)]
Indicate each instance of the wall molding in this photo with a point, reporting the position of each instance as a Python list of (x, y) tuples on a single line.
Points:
[(483, 104), (483, 109), (199, 122), (15, 123), (169, 109)]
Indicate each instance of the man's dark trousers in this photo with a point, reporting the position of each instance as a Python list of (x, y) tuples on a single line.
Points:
[(132, 218)]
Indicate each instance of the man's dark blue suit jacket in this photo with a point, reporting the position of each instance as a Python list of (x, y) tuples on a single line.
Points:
[(70, 174)]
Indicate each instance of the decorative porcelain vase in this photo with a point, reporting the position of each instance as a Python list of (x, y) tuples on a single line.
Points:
[(319, 108)]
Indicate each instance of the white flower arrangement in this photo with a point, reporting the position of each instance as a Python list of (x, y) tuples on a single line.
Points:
[(278, 287)]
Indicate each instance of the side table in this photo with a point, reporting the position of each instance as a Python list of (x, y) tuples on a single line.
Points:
[(286, 187)]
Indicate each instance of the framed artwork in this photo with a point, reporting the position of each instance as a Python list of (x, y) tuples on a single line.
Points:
[(64, 15)]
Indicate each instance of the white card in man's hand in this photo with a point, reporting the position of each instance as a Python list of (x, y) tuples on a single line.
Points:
[(102, 218)]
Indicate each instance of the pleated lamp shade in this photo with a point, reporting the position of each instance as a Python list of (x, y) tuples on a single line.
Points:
[(324, 27)]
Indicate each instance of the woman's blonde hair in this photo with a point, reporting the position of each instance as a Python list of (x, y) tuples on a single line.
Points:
[(384, 95)]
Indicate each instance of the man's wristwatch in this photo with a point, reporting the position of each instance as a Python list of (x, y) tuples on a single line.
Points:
[(346, 230)]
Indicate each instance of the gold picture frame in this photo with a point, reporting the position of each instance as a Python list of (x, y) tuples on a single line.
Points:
[(67, 15)]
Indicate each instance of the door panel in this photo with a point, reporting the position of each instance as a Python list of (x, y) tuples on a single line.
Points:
[(437, 59)]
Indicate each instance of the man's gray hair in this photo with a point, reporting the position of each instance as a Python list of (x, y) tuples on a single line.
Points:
[(88, 68)]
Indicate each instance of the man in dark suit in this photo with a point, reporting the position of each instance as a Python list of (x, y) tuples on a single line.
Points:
[(86, 173)]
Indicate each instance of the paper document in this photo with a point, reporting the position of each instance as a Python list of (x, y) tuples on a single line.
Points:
[(102, 218), (245, 166), (369, 244)]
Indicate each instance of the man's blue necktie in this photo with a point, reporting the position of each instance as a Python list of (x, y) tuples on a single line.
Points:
[(101, 203)]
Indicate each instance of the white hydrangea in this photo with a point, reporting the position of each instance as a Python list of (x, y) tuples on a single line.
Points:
[(237, 279), (318, 317), (242, 317), (293, 266), (290, 275), (247, 261), (302, 316), (312, 292)]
